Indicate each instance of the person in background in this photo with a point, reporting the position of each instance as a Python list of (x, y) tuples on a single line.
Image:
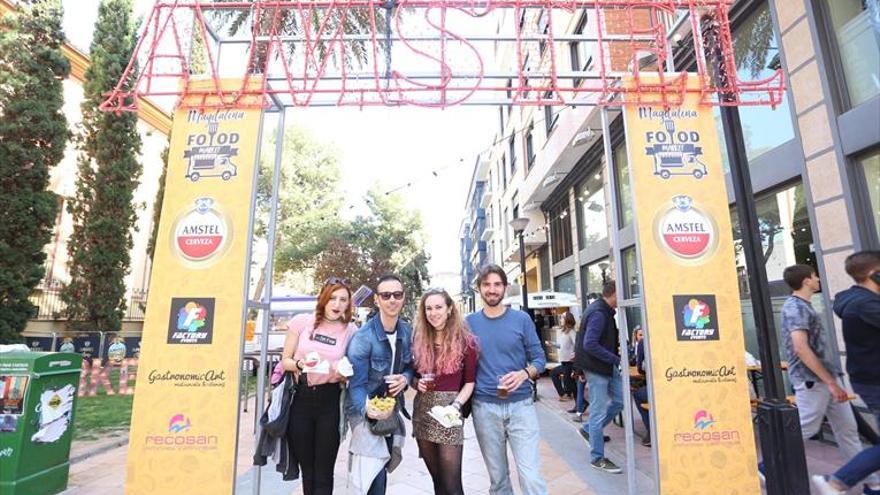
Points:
[(598, 355), (859, 310), (504, 412), (816, 378), (562, 375), (376, 348), (313, 428), (640, 394), (445, 356)]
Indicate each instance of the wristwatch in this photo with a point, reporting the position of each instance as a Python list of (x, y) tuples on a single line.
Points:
[(457, 405)]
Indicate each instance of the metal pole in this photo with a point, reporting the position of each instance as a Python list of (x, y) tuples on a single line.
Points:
[(267, 298), (522, 268), (618, 270), (782, 444)]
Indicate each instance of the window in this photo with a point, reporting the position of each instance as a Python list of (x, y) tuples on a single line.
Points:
[(857, 46), (501, 120), (592, 222), (505, 225), (560, 233), (511, 148), (543, 28), (579, 51), (509, 93), (757, 50), (530, 147), (869, 166), (565, 283), (786, 239), (632, 288), (593, 277), (551, 114), (503, 171), (514, 205), (624, 193)]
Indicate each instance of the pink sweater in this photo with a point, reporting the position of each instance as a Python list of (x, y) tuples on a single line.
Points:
[(329, 340)]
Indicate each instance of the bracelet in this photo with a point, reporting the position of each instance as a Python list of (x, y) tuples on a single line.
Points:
[(298, 365), (528, 374), (456, 404)]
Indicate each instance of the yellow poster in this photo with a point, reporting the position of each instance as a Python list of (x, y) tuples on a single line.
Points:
[(185, 419), (695, 334)]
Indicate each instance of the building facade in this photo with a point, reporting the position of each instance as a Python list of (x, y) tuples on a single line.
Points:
[(814, 160), (154, 127)]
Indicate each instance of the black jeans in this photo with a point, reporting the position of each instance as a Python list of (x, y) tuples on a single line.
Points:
[(562, 379), (313, 435)]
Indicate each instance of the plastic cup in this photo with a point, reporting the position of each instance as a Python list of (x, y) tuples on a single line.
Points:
[(428, 380), (500, 389)]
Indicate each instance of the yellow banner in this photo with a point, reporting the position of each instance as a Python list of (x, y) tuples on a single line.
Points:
[(185, 420), (695, 333)]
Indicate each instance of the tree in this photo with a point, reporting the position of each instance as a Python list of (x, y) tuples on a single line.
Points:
[(102, 209), (389, 239), (157, 206), (33, 134), (290, 22), (308, 201)]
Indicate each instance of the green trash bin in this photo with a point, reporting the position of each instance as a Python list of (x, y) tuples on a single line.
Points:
[(37, 398)]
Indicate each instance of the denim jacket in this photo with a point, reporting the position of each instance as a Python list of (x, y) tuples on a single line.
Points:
[(370, 356)]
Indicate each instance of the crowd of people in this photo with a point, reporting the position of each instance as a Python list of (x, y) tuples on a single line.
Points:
[(482, 366)]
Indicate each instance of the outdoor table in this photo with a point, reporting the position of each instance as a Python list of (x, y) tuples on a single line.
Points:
[(272, 357), (755, 374)]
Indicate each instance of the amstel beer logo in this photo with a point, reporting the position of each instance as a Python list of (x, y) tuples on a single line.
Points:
[(201, 233), (684, 231)]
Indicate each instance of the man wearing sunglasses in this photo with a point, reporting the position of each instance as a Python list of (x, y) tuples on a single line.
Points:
[(381, 355)]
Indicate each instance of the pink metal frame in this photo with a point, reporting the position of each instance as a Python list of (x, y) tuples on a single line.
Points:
[(316, 66)]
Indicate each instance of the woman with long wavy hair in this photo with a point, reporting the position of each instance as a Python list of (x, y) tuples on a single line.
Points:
[(445, 354), (315, 344)]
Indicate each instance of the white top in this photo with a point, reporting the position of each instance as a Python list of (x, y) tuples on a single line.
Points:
[(565, 342), (392, 339)]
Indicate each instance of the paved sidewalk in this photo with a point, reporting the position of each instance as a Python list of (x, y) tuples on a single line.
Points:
[(564, 462)]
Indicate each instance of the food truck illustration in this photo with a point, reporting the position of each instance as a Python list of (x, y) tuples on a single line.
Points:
[(675, 153), (210, 161)]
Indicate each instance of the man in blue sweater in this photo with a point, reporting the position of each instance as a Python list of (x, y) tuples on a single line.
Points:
[(510, 356), (859, 310), (597, 353)]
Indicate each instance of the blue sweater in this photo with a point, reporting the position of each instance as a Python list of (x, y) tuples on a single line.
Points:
[(507, 343)]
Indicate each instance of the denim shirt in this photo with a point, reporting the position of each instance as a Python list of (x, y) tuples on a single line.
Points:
[(370, 356)]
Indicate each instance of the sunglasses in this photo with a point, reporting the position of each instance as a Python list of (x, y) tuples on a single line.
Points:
[(398, 295), (337, 281)]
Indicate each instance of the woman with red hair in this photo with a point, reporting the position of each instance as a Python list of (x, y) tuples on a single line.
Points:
[(445, 354), (314, 345)]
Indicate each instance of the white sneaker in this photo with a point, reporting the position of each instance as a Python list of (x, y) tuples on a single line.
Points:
[(821, 484)]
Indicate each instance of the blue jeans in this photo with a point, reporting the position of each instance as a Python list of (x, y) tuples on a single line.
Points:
[(641, 397), (868, 460), (580, 404), (380, 482), (606, 402), (494, 424)]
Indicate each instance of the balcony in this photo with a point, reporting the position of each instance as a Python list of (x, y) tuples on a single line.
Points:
[(486, 200), (487, 234)]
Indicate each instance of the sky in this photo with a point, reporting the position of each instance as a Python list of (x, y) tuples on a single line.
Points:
[(389, 146)]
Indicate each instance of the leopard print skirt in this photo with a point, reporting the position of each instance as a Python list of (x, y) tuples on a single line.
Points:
[(427, 428)]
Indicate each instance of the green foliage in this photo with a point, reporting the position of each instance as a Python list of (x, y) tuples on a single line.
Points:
[(389, 239), (311, 238), (157, 206), (307, 196), (289, 22), (102, 209), (33, 134)]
